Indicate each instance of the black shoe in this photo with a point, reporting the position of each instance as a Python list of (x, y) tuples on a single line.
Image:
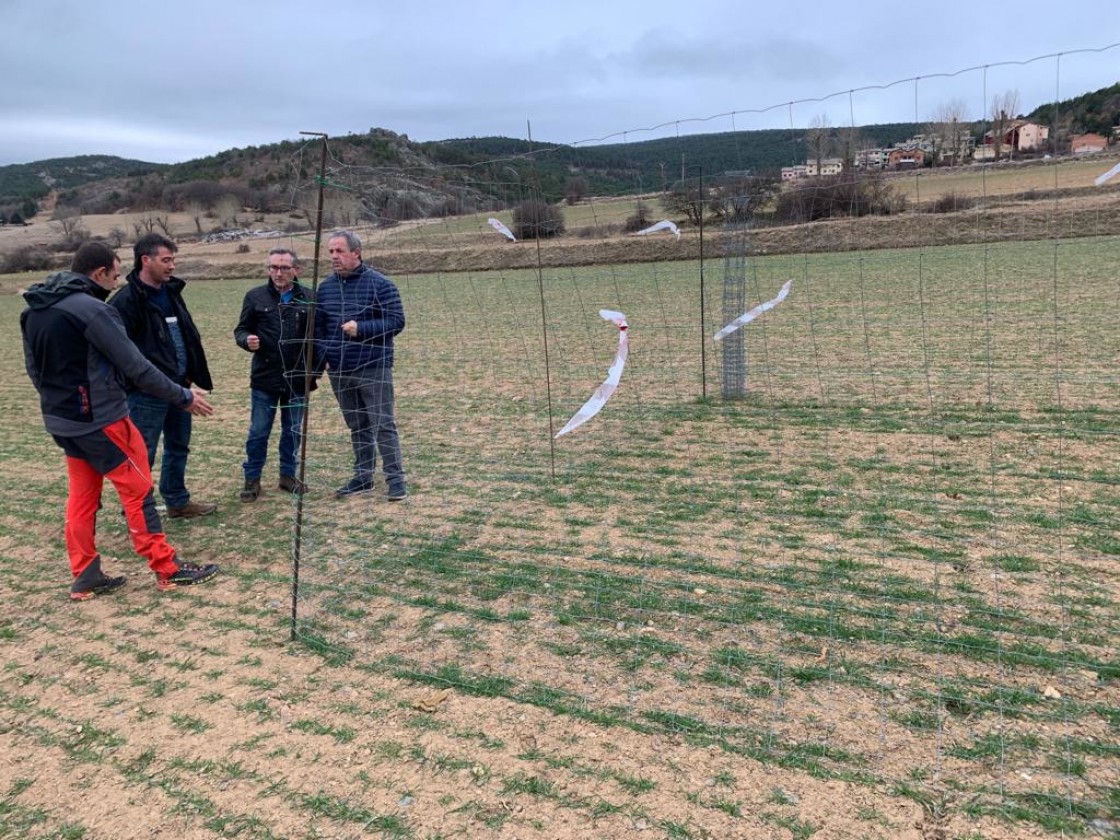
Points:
[(188, 574), (251, 490), (83, 590), (354, 487), (397, 492), (291, 484)]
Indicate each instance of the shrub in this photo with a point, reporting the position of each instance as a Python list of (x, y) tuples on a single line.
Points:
[(575, 190), (850, 194), (601, 231), (639, 220), (950, 202), (71, 240), (535, 219), (27, 258), (741, 198), (243, 248)]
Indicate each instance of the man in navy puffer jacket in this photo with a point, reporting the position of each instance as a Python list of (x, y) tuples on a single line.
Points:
[(358, 313)]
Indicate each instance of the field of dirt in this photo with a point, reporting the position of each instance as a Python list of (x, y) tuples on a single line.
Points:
[(876, 598)]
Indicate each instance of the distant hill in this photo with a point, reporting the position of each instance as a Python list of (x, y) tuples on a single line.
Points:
[(386, 176), (22, 181), (1097, 112), (649, 165)]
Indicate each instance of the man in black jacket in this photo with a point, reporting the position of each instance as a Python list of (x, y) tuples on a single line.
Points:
[(79, 358), (156, 319), (273, 327)]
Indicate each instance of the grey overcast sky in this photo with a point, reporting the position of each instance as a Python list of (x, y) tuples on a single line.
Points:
[(170, 81)]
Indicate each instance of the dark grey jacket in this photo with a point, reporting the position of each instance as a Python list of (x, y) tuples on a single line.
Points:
[(81, 360), (278, 365)]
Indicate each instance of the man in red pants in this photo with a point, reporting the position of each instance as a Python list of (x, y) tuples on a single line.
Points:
[(78, 356)]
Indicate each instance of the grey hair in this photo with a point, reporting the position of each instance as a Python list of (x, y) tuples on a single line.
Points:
[(278, 251), (352, 240)]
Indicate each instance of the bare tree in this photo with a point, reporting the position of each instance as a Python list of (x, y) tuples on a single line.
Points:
[(1003, 110), (343, 209), (69, 220), (196, 210), (850, 142), (575, 190), (116, 236), (639, 220), (686, 198), (818, 140), (227, 209), (948, 129)]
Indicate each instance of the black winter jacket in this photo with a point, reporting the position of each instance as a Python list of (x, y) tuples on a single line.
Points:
[(145, 326), (278, 365), (80, 360)]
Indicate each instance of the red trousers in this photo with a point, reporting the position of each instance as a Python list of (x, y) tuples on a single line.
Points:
[(132, 479)]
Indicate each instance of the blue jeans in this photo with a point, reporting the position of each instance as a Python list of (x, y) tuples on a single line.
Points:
[(154, 417), (263, 415), (366, 399)]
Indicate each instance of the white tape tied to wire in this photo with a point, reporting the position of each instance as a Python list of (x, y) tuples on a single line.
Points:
[(1108, 176), (747, 317), (502, 229), (664, 224), (614, 375)]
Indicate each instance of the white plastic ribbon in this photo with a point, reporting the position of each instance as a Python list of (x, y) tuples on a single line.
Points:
[(1101, 179), (664, 224), (614, 375), (502, 229), (747, 317)]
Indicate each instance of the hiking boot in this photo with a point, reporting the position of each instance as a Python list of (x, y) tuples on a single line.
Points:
[(188, 574), (83, 589), (354, 487), (250, 491), (191, 510), (397, 491), (291, 484)]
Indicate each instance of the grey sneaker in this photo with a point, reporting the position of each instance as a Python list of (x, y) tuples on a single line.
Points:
[(354, 487), (188, 574), (397, 492), (83, 590)]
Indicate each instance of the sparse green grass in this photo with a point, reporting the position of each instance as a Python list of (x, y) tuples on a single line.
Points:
[(901, 516)]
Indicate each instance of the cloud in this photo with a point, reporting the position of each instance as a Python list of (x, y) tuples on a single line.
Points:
[(173, 80)]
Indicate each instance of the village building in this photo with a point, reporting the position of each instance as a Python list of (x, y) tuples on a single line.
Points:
[(1017, 136), (1087, 144)]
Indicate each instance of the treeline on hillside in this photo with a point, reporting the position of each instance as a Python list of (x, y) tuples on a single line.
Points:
[(632, 168), (22, 185), (1097, 113)]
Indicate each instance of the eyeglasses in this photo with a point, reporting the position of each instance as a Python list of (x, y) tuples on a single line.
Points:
[(281, 268)]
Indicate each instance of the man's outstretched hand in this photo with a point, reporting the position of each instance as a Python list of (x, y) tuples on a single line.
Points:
[(199, 406)]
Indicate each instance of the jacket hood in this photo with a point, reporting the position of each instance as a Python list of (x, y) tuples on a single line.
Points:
[(61, 285)]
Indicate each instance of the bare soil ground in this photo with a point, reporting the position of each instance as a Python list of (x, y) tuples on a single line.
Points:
[(875, 599)]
